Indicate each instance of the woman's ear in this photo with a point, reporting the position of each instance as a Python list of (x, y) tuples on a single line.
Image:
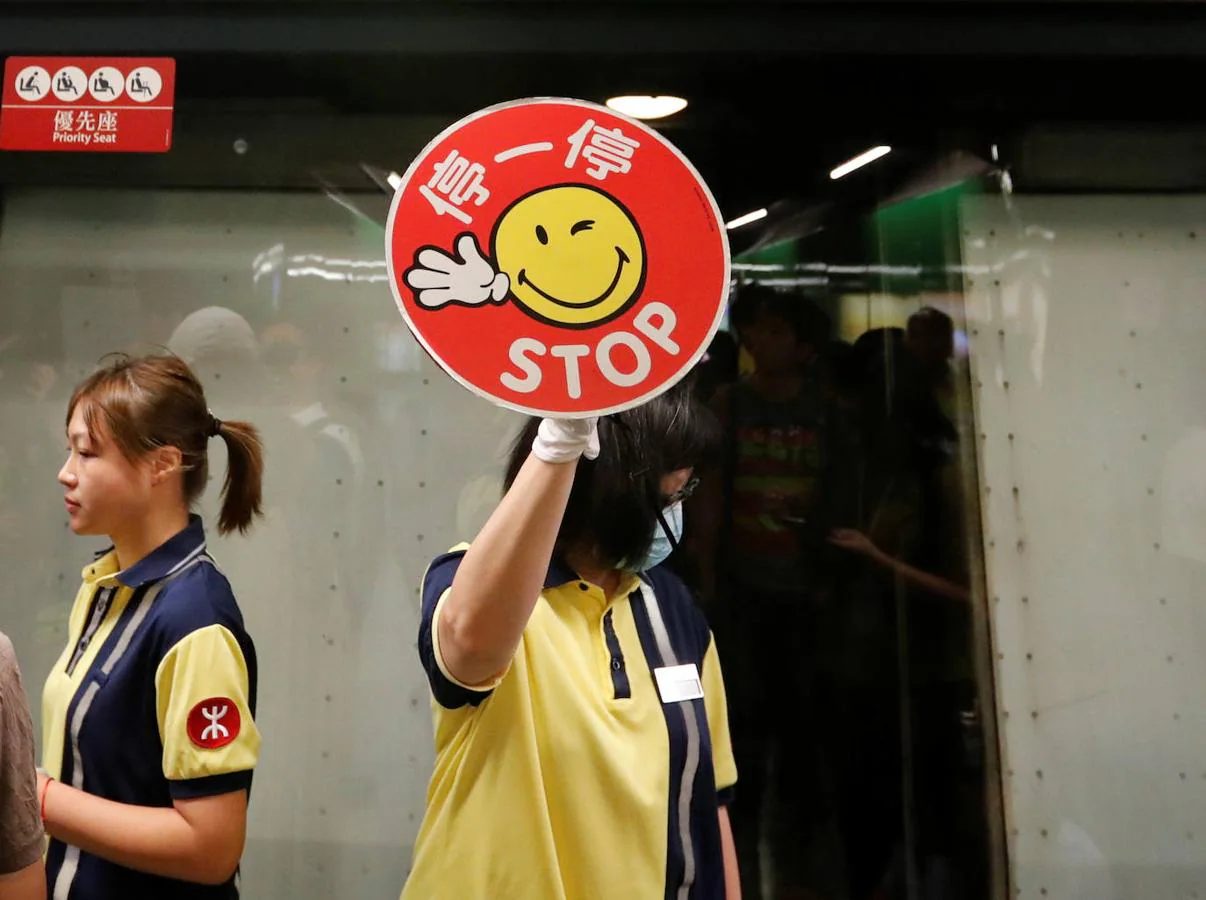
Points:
[(165, 462)]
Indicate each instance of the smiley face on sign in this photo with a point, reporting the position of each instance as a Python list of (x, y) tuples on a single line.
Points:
[(558, 258)]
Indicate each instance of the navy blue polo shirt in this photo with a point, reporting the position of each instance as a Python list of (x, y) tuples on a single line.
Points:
[(153, 700)]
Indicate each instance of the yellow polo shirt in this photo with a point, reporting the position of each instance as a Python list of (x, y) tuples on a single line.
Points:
[(569, 778)]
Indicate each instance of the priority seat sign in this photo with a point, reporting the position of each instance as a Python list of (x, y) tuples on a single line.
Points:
[(558, 258), (89, 104)]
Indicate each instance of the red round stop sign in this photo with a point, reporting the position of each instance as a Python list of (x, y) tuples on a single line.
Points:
[(558, 258)]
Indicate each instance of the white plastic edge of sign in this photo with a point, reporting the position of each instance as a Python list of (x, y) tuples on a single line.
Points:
[(494, 398)]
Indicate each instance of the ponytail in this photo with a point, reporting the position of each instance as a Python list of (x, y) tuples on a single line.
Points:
[(242, 489)]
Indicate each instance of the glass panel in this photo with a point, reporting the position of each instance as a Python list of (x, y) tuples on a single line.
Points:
[(374, 461)]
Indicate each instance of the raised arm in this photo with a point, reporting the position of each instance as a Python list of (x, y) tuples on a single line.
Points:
[(499, 581)]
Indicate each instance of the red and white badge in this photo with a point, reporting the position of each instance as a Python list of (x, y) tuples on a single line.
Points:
[(111, 104), (558, 258), (214, 723)]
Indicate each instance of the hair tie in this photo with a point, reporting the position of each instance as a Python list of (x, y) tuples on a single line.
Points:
[(215, 426)]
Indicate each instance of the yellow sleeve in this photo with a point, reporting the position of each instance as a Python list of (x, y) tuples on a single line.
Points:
[(210, 740), (718, 721)]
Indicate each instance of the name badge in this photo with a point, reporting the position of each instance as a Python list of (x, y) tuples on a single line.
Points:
[(677, 683)]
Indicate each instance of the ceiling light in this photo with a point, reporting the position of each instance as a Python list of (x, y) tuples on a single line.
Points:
[(746, 219), (644, 106), (859, 161)]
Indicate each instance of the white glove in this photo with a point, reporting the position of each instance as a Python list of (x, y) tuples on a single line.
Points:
[(564, 440), (438, 278)]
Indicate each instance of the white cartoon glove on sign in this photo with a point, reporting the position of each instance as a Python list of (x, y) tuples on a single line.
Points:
[(439, 279)]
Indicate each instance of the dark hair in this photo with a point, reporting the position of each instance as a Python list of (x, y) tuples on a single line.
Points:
[(615, 501), (156, 401)]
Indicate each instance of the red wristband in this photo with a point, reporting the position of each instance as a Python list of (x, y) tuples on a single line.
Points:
[(42, 804)]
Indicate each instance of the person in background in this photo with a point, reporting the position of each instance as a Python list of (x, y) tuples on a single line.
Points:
[(581, 726), (149, 737), (757, 543), (22, 875)]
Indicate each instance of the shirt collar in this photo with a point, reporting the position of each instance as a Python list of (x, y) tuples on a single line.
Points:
[(158, 564), (560, 574)]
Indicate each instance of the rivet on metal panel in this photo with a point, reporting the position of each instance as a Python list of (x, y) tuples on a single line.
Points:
[(1005, 385), (1138, 385), (1183, 776), (1169, 658), (422, 484), (336, 534), (1025, 599), (1043, 832), (343, 379), (427, 381), (1132, 332), (334, 588), (423, 431), (1001, 333), (1016, 490), (1029, 656), (419, 537), (1164, 601), (380, 482), (1021, 546), (1039, 773), (1034, 714), (345, 329)]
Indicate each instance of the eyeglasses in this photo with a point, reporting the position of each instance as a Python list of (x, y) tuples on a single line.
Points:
[(684, 492)]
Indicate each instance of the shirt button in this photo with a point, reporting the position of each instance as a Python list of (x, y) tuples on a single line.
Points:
[(615, 664)]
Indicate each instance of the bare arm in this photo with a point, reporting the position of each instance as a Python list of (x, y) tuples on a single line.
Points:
[(499, 581), (197, 840), (27, 884), (732, 877), (858, 542)]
